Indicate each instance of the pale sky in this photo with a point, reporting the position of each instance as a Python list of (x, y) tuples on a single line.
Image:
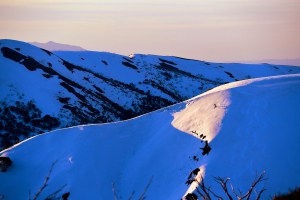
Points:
[(213, 30)]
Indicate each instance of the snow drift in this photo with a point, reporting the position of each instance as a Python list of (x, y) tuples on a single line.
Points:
[(251, 126)]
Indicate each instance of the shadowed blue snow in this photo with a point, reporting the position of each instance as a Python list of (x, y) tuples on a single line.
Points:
[(259, 131), (91, 158)]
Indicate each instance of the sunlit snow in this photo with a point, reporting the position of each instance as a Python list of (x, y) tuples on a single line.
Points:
[(252, 126)]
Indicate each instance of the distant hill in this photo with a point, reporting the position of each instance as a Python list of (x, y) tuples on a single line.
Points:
[(53, 46), (290, 62)]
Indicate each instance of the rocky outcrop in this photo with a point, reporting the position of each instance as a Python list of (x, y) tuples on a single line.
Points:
[(5, 163)]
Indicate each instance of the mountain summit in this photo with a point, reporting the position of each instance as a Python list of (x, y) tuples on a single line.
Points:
[(53, 46)]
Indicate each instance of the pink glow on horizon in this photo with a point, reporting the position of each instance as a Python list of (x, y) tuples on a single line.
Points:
[(215, 30)]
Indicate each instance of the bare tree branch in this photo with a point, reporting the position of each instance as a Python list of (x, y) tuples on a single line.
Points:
[(205, 191), (46, 181), (54, 194), (252, 188), (214, 194), (254, 183), (223, 184), (205, 195), (200, 193), (114, 191), (131, 195), (258, 197), (234, 192), (142, 197), (146, 188)]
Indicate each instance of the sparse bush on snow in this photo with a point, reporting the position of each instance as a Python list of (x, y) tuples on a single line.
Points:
[(229, 192)]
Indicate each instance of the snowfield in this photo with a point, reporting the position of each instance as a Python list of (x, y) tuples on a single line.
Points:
[(43, 91), (251, 126)]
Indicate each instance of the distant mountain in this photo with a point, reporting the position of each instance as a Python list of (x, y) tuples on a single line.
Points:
[(252, 126), (53, 46), (42, 90), (290, 62)]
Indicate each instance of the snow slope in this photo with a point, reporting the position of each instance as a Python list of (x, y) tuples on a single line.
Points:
[(251, 126), (259, 132), (73, 88)]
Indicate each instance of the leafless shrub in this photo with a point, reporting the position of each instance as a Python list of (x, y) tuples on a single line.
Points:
[(206, 193), (141, 197), (45, 182)]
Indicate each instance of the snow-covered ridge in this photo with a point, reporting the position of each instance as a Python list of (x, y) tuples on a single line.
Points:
[(43, 91), (256, 129)]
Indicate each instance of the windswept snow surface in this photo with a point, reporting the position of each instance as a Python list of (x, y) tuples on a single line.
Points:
[(252, 126), (91, 158), (84, 87), (258, 133)]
